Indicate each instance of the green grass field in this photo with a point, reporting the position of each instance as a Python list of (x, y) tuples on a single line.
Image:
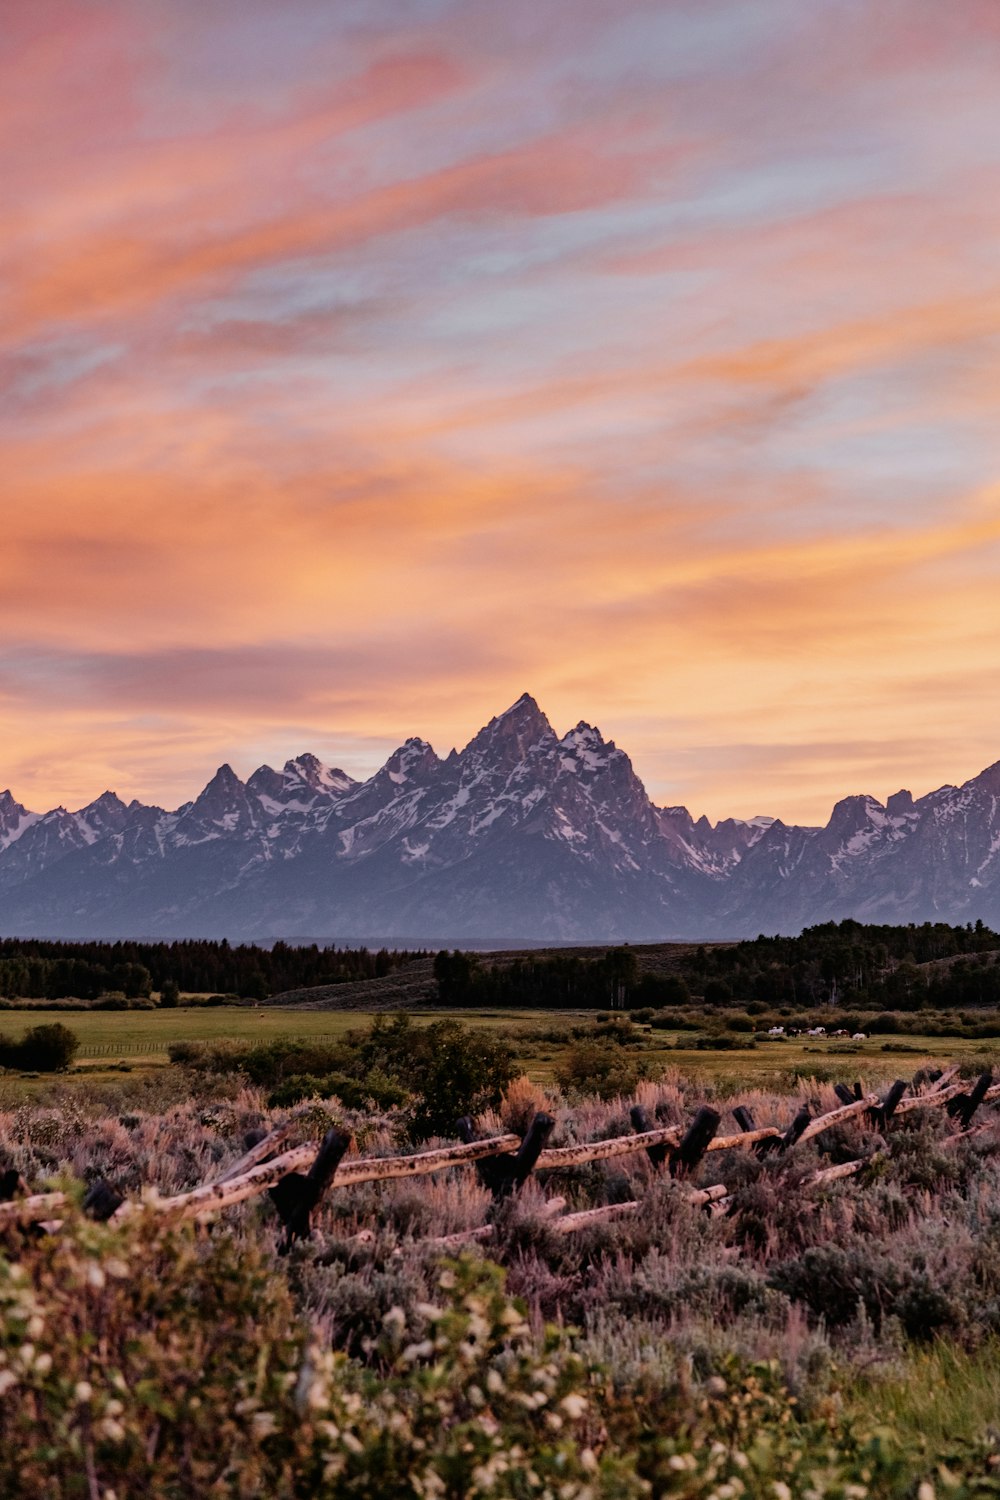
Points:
[(140, 1040)]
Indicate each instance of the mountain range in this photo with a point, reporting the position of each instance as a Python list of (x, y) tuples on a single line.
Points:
[(520, 835)]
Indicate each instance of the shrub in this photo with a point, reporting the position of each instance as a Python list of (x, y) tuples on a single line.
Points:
[(717, 992), (601, 1067), (42, 1049), (375, 1089), (440, 1071), (521, 1101), (724, 1041), (885, 1024), (449, 1069), (834, 1281), (170, 994), (240, 1401)]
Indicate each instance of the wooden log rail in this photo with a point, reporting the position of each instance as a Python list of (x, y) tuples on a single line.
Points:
[(838, 1116), (253, 1174)]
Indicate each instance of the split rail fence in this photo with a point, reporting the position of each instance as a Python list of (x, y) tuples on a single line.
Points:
[(299, 1178)]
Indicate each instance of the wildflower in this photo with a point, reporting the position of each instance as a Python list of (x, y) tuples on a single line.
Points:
[(394, 1321), (423, 1350)]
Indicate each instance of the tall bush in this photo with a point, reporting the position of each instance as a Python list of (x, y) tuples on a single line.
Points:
[(42, 1049)]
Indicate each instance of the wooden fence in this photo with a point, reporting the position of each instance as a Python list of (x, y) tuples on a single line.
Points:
[(298, 1178)]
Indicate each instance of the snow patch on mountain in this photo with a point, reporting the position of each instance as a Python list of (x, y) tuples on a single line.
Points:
[(521, 833)]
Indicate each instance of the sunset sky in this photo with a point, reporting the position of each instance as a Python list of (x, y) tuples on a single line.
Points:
[(366, 363)]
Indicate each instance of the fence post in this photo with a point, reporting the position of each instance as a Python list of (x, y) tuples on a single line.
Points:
[(297, 1194), (642, 1123), (509, 1170), (964, 1106), (102, 1201), (880, 1116), (11, 1184), (685, 1159), (795, 1129)]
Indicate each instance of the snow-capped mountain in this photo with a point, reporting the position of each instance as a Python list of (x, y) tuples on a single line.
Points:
[(522, 834)]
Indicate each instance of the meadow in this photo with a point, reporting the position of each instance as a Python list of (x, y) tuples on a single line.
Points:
[(139, 1041)]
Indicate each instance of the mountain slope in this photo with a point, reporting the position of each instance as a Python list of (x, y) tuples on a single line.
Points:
[(522, 834)]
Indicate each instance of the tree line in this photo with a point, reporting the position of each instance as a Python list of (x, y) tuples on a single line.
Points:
[(37, 969), (835, 963)]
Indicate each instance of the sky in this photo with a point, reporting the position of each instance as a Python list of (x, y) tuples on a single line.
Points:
[(364, 365)]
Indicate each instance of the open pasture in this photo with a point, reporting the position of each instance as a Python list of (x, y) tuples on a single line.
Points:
[(540, 1040)]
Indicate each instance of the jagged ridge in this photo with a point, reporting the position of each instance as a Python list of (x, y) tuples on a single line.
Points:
[(521, 834)]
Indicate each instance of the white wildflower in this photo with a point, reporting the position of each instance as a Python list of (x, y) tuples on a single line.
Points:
[(394, 1321)]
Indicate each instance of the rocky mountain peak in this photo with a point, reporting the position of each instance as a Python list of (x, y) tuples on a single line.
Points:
[(520, 835), (266, 782), (414, 761), (14, 819), (311, 772), (588, 744), (225, 779), (107, 802), (855, 814), (508, 737), (106, 814), (224, 799), (988, 779)]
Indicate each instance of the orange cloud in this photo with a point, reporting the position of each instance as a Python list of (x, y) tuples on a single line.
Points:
[(358, 378)]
